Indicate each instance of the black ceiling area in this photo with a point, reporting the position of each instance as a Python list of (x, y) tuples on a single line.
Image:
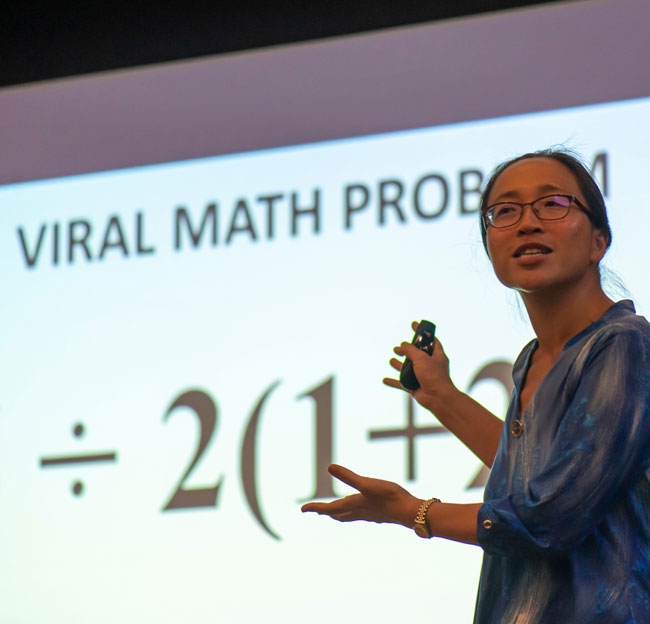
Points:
[(42, 41)]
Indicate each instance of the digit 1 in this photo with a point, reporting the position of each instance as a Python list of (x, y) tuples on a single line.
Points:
[(322, 397)]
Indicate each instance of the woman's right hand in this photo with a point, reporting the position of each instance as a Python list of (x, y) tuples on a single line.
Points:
[(432, 372)]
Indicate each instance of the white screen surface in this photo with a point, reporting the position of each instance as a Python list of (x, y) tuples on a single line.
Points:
[(110, 343)]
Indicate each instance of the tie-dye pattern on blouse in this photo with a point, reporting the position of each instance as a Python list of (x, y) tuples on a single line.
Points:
[(565, 525)]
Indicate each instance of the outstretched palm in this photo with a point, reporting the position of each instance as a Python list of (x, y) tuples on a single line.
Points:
[(377, 500)]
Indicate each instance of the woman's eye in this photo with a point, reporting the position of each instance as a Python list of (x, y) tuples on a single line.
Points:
[(504, 210), (556, 202)]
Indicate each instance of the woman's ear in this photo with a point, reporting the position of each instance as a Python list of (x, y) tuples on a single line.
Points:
[(599, 245), (487, 246)]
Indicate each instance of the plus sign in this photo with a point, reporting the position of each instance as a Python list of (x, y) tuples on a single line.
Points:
[(410, 432)]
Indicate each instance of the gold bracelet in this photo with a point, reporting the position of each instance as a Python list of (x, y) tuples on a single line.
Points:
[(420, 526)]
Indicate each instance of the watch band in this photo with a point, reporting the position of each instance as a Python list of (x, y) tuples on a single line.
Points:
[(420, 525)]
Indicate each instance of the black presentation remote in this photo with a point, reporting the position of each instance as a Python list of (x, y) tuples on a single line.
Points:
[(424, 340)]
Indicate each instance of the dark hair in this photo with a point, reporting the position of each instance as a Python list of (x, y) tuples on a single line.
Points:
[(588, 187)]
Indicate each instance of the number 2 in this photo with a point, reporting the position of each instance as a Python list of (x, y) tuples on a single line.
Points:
[(205, 409)]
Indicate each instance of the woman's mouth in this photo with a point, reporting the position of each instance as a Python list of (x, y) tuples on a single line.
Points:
[(531, 249)]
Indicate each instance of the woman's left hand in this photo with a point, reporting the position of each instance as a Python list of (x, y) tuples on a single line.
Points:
[(377, 501)]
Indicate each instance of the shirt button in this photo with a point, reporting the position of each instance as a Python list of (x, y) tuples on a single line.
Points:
[(516, 428), (487, 524)]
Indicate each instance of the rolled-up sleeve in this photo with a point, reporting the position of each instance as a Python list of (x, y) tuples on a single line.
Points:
[(599, 449)]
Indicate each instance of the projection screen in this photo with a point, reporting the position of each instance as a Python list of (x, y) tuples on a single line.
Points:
[(205, 267)]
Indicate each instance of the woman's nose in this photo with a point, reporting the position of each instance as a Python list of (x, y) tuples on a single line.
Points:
[(529, 220)]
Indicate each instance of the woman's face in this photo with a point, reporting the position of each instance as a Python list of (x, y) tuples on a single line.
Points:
[(533, 256)]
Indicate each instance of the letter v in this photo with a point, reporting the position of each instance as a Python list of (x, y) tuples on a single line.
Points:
[(31, 260)]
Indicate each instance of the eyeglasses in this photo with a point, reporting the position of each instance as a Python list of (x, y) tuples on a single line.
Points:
[(547, 208)]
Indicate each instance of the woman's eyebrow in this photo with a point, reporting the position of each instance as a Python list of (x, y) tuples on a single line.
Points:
[(515, 194)]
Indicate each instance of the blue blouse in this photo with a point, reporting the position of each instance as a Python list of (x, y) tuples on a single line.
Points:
[(565, 525)]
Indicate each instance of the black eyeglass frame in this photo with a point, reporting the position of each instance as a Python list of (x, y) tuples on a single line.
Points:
[(571, 198)]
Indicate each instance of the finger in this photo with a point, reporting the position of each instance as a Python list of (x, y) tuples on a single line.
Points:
[(337, 506), (409, 350), (393, 383), (311, 507), (346, 475), (321, 508), (396, 364), (415, 325), (346, 516)]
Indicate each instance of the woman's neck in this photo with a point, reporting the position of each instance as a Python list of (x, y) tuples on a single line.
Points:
[(558, 316)]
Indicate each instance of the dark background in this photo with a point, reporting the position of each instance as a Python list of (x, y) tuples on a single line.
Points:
[(40, 41)]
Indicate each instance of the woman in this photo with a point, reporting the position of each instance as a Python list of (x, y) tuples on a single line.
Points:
[(565, 523)]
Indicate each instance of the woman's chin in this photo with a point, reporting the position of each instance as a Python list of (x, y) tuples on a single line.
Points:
[(528, 284), (532, 284)]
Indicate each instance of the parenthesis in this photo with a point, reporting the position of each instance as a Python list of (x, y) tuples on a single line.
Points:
[(248, 462)]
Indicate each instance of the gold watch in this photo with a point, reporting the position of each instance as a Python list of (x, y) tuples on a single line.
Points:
[(420, 526)]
